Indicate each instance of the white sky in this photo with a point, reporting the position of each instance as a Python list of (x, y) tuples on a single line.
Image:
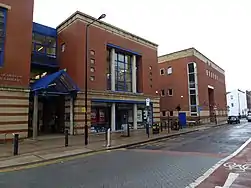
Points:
[(220, 29)]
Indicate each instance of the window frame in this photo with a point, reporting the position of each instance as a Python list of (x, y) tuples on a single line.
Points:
[(162, 69), (45, 45), (4, 10), (162, 92), (168, 92)]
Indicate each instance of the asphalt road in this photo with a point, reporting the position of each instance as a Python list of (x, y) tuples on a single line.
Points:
[(170, 163)]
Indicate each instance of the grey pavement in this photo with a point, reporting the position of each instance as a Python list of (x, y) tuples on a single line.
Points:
[(173, 162)]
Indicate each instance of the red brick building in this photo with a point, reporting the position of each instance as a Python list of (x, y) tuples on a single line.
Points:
[(42, 76), (192, 81)]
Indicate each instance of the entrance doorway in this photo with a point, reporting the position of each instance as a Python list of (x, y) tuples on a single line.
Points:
[(211, 104), (51, 112)]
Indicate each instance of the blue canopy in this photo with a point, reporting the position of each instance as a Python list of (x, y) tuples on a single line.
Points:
[(57, 83)]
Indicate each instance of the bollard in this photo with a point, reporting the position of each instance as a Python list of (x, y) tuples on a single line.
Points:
[(168, 126), (165, 124), (66, 137), (15, 152), (161, 127), (147, 130), (108, 138), (128, 130)]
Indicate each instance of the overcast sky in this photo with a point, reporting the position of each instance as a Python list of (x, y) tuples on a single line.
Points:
[(220, 29)]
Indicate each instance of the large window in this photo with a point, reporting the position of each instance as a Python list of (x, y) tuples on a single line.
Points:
[(192, 86), (3, 14), (44, 45), (123, 72)]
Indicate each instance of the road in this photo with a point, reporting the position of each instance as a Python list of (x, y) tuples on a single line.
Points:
[(169, 163)]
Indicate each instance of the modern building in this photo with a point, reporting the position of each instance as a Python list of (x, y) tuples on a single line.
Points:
[(191, 81), (237, 103), (42, 78), (248, 93)]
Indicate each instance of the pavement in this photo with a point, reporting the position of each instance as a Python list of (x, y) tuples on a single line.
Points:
[(51, 148), (171, 162)]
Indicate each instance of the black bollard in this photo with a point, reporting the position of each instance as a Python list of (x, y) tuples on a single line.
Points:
[(15, 152), (66, 138), (161, 127), (147, 130), (128, 130), (168, 125)]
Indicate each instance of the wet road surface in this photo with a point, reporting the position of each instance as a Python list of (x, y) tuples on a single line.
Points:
[(173, 163)]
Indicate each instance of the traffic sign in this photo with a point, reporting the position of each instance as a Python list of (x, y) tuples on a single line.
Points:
[(148, 102)]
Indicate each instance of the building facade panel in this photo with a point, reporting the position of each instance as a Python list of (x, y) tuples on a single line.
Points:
[(16, 48)]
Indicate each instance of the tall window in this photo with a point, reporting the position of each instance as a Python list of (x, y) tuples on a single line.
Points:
[(44, 45), (192, 88), (3, 14), (123, 72)]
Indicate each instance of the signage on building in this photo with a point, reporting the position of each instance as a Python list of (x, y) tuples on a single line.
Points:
[(101, 116), (10, 77), (139, 116), (94, 116)]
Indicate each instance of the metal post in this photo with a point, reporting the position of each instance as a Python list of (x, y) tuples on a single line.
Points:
[(86, 82), (108, 138), (128, 130), (15, 142), (161, 127), (168, 124), (66, 138)]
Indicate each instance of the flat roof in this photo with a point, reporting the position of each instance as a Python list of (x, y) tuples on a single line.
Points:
[(186, 53), (103, 25)]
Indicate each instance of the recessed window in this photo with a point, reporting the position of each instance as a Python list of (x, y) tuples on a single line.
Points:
[(63, 47), (171, 113), (232, 97), (169, 70), (150, 67), (151, 79), (232, 104), (163, 113), (207, 72), (92, 69), (151, 85), (92, 78), (170, 92), (162, 93), (162, 71), (92, 61), (92, 52), (151, 73)]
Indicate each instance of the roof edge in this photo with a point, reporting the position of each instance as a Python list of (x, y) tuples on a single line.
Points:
[(107, 25)]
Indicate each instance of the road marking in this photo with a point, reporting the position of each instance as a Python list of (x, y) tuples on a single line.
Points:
[(238, 167), (230, 180), (217, 165)]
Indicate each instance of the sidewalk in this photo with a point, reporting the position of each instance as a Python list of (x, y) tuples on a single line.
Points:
[(233, 171), (49, 148)]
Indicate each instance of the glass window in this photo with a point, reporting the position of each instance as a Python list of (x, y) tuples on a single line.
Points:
[(92, 52), (169, 70), (162, 71), (193, 109), (193, 99), (170, 92), (63, 47), (192, 91), (162, 92), (92, 78), (163, 113), (44, 44), (191, 78), (191, 67)]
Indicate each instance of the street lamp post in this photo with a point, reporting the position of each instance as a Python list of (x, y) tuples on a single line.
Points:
[(86, 72)]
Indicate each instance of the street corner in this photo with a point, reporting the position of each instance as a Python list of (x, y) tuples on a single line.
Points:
[(234, 171)]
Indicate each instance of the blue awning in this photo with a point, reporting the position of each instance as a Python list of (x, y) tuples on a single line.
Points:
[(57, 83)]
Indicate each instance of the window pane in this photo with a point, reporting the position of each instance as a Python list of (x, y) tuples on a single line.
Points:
[(193, 99), (128, 86), (191, 67), (1, 14), (120, 67), (51, 51), (128, 59), (50, 41), (128, 77), (192, 92), (121, 57), (1, 19), (192, 85), (37, 38), (120, 86), (193, 114), (193, 109), (191, 78), (120, 76)]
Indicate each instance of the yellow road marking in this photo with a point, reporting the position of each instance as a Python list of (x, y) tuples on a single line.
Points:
[(55, 161)]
